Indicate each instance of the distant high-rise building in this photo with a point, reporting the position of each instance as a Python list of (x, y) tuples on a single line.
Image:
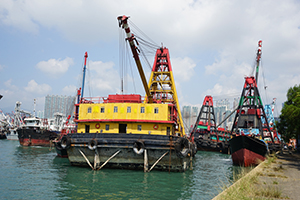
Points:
[(222, 110), (61, 104), (189, 115), (40, 114)]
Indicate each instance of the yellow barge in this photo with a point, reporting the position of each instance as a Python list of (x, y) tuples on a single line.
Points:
[(129, 131)]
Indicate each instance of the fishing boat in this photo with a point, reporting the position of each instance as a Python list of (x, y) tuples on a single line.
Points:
[(35, 133), (248, 145), (128, 131), (205, 132), (15, 122)]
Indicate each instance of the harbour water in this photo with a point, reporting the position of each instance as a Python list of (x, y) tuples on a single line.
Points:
[(37, 173)]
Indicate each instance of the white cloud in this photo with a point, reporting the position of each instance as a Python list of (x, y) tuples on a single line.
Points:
[(12, 94), (69, 90), (9, 85), (33, 87), (55, 67), (15, 13), (222, 90), (102, 77), (183, 68)]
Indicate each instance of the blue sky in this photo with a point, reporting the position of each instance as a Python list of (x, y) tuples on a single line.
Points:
[(212, 46)]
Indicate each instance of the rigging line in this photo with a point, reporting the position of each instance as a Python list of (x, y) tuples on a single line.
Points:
[(147, 48), (79, 80), (136, 27), (145, 59), (265, 86), (141, 40), (253, 68), (121, 56), (90, 85), (129, 62), (126, 50)]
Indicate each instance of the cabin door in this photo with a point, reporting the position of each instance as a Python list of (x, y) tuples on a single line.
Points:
[(87, 128), (122, 128)]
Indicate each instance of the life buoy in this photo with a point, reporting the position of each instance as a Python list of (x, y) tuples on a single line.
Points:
[(97, 126), (155, 126), (138, 147), (194, 149), (92, 145), (65, 142), (182, 148)]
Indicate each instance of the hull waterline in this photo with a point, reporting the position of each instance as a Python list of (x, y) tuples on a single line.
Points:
[(247, 151)]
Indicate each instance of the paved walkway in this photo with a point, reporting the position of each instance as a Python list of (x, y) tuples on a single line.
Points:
[(284, 173)]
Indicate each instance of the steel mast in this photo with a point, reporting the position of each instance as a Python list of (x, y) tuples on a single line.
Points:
[(83, 77), (258, 57)]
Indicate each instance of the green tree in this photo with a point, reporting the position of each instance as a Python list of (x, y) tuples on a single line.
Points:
[(289, 125)]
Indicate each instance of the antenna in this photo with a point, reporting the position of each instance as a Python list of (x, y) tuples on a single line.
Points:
[(34, 105)]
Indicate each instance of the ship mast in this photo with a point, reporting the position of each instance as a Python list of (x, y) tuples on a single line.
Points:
[(258, 57), (83, 77), (130, 37), (80, 90), (250, 112)]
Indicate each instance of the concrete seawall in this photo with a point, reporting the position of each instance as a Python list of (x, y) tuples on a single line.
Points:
[(283, 175)]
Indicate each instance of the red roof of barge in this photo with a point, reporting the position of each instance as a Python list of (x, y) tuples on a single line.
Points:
[(122, 98)]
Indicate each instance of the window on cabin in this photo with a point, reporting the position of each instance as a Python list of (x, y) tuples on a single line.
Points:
[(128, 109), (115, 109), (155, 110), (142, 109), (102, 110), (106, 127), (89, 110), (139, 127)]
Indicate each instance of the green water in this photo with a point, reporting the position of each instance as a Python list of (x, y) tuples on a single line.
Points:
[(36, 173)]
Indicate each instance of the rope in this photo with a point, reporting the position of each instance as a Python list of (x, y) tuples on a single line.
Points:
[(136, 27)]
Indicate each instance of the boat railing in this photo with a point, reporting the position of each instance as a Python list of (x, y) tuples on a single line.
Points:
[(89, 100)]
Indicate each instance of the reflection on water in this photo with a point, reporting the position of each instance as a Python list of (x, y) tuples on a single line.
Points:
[(36, 173)]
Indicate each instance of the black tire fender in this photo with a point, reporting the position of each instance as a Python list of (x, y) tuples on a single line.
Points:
[(194, 149), (182, 147), (138, 147), (58, 146), (92, 145), (65, 142), (221, 146)]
